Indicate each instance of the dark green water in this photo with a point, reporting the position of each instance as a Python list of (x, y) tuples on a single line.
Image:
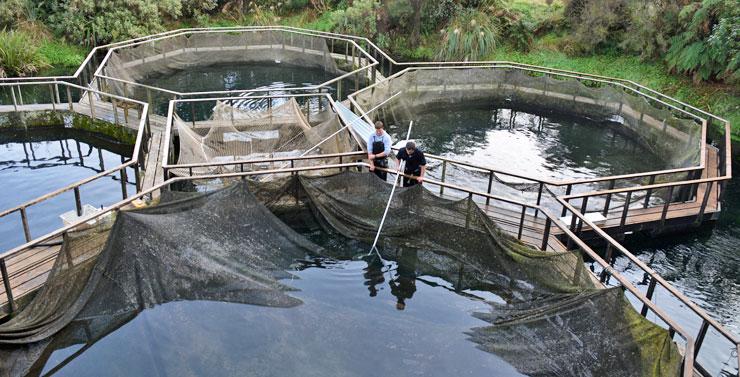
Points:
[(541, 146), (35, 162), (279, 78)]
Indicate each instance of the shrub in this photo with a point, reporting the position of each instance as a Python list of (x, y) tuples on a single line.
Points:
[(709, 45), (595, 23), (358, 19), (471, 35), (19, 55), (650, 27)]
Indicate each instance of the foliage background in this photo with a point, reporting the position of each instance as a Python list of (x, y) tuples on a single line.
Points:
[(687, 49)]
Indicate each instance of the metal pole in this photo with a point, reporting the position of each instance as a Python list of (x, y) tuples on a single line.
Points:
[(546, 234), (6, 284), (625, 210), (444, 173), (24, 220), (567, 192), (608, 198), (78, 202), (490, 183), (521, 223), (649, 192)]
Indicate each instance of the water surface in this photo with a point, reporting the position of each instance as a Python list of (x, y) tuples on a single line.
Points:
[(38, 161)]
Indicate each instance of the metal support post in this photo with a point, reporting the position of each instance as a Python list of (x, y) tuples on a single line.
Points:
[(78, 201), (6, 284)]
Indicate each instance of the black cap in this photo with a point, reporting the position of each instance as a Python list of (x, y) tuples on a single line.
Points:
[(410, 145)]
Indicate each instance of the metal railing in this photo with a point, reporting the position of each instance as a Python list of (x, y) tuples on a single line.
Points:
[(653, 280), (169, 163), (61, 101)]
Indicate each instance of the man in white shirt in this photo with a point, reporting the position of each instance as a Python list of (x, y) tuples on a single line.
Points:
[(378, 150)]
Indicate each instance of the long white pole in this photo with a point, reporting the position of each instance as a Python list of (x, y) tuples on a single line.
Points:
[(393, 190)]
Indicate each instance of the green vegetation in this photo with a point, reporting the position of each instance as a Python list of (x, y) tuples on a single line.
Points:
[(689, 49), (18, 55)]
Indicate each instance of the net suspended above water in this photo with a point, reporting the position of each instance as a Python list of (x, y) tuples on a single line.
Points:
[(226, 246), (236, 134)]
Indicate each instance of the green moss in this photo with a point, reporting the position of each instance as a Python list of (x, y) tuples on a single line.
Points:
[(119, 133), (32, 119)]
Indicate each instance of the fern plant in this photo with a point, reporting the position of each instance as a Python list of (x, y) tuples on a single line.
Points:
[(709, 46)]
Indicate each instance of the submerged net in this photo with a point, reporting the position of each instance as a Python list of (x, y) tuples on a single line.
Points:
[(552, 318), (236, 134), (164, 56)]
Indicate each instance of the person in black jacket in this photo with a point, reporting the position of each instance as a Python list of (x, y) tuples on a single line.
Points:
[(416, 164)]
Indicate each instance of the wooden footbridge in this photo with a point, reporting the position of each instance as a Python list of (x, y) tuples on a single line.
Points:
[(585, 213)]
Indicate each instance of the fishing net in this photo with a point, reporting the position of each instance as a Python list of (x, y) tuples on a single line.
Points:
[(164, 56), (551, 317), (239, 134), (666, 134), (554, 320), (187, 249)]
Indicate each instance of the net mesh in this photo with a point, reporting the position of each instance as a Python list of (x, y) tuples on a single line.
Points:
[(165, 56), (238, 134), (676, 140), (552, 318)]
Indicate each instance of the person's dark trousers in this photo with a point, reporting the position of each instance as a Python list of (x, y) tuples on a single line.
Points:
[(408, 182), (382, 163)]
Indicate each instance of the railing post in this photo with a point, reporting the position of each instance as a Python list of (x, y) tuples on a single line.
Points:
[(53, 97), (608, 198), (15, 102), (521, 223), (6, 284), (704, 201), (137, 178), (444, 172), (24, 221), (649, 295), (667, 204), (20, 95), (608, 259), (649, 192), (539, 198), (78, 202), (467, 216), (124, 181), (69, 99), (583, 212), (700, 336), (490, 183), (92, 104), (625, 209), (546, 234), (567, 192)]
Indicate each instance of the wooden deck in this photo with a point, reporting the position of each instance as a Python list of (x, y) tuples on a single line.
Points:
[(153, 173), (678, 215), (28, 271)]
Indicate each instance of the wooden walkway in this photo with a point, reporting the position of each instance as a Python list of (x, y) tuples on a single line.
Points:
[(153, 173), (28, 271), (677, 214)]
